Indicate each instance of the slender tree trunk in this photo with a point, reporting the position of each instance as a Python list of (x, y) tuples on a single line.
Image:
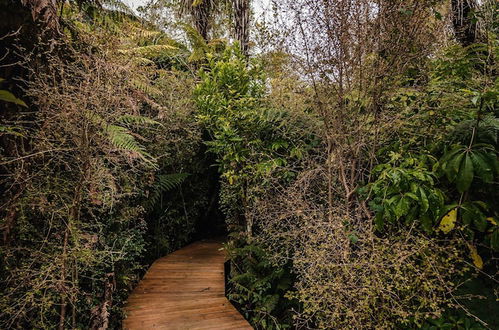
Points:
[(241, 13), (201, 14)]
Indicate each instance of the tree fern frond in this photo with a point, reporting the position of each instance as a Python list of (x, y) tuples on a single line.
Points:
[(147, 88), (195, 39), (151, 51), (143, 61), (144, 37), (164, 182), (134, 119), (119, 8), (121, 138)]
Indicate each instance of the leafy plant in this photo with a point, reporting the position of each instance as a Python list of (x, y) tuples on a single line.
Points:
[(405, 191), (260, 288), (463, 164)]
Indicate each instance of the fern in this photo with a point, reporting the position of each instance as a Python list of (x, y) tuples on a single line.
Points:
[(198, 44), (147, 88), (164, 182), (140, 120), (143, 61), (121, 137), (151, 52), (119, 9)]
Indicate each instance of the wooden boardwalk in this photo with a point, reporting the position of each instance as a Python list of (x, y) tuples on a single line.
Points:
[(184, 290)]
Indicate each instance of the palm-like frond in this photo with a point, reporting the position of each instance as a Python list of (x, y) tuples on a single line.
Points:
[(164, 183), (151, 52), (147, 88), (140, 120), (121, 137), (123, 140)]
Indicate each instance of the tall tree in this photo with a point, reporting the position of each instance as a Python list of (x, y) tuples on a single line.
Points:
[(201, 12)]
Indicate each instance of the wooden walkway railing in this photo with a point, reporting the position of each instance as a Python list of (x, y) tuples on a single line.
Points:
[(184, 290)]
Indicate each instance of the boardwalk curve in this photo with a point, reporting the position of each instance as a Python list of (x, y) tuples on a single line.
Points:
[(184, 290)]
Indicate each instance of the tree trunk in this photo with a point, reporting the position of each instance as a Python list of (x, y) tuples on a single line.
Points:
[(201, 13), (241, 13)]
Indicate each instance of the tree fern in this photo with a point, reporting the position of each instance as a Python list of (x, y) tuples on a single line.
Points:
[(164, 182)]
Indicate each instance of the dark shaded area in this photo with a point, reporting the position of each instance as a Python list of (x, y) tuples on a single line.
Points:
[(212, 223), (463, 21)]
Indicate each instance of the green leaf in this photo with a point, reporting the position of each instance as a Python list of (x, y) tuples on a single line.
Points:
[(402, 207), (494, 239), (353, 238), (484, 170), (480, 221), (424, 200), (465, 176), (427, 223), (9, 97), (449, 155), (412, 196), (452, 167), (379, 221)]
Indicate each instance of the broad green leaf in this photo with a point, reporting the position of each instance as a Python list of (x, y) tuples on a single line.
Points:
[(378, 221), (451, 154), (480, 221), (467, 215), (482, 168), (424, 200), (402, 207), (412, 196), (9, 97), (465, 176), (453, 166), (448, 221), (491, 158)]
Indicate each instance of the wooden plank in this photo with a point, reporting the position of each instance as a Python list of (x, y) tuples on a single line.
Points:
[(184, 290)]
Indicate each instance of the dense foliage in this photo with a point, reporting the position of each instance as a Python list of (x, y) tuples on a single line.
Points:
[(350, 158)]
